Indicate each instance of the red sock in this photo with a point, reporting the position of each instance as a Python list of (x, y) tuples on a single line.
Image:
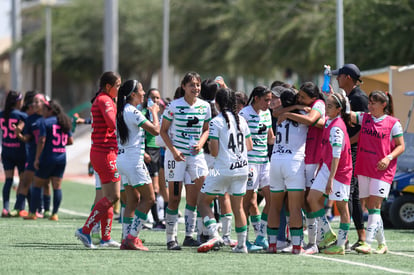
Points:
[(106, 224), (100, 209)]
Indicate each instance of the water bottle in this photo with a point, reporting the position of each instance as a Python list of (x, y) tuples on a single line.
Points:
[(326, 79), (218, 78), (192, 144), (150, 103)]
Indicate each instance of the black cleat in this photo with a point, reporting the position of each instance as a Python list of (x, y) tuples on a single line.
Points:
[(189, 241), (173, 245)]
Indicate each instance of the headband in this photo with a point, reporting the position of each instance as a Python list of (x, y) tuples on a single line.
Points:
[(337, 100), (43, 99), (134, 86)]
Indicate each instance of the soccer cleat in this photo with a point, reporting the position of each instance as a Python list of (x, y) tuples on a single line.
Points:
[(229, 242), (272, 248), (54, 217), (14, 213), (134, 243), (261, 241), (23, 213), (287, 249), (31, 216), (39, 215), (173, 245), (382, 249), (252, 247), (311, 249), (282, 244), (358, 243), (109, 243), (297, 250), (329, 238), (5, 213), (202, 238), (335, 250), (189, 241), (215, 242), (123, 246), (239, 249), (365, 249), (47, 215), (84, 238)]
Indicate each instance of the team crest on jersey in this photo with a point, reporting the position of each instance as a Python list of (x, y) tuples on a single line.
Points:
[(170, 113)]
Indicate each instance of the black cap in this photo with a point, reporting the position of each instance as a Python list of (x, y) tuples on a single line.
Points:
[(349, 69), (277, 90)]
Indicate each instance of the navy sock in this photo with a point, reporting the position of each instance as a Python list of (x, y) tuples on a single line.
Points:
[(46, 202), (20, 202), (6, 192), (35, 199), (57, 199)]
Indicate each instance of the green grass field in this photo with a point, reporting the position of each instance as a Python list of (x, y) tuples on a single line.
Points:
[(46, 247)]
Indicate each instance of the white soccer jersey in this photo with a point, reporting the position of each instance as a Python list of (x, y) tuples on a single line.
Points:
[(290, 140), (136, 135), (186, 121), (232, 155), (259, 125)]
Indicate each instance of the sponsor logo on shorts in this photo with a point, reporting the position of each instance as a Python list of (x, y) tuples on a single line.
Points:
[(116, 175)]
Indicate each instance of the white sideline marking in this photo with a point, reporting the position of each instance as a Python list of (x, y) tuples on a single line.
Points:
[(360, 264), (400, 254), (74, 213)]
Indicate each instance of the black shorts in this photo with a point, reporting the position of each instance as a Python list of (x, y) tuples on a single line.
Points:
[(154, 165)]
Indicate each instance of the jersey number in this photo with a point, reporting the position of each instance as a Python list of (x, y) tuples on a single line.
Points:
[(58, 137), (279, 135), (8, 131), (239, 140)]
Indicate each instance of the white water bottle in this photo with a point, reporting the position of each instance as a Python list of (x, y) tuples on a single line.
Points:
[(150, 103)]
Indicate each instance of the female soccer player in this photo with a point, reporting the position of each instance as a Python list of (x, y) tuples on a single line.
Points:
[(103, 155), (13, 154), (334, 176), (310, 96), (184, 130), (380, 143), (259, 119), (287, 174), (29, 133), (131, 124), (229, 142), (50, 160)]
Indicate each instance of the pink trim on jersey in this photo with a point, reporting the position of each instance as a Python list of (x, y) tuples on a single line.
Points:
[(374, 144), (103, 112), (344, 171), (313, 142)]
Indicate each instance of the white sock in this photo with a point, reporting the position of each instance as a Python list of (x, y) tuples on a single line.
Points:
[(226, 221), (190, 221), (137, 223), (373, 225), (171, 226), (211, 226), (312, 229)]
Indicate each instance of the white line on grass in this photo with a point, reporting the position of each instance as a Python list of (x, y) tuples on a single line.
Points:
[(400, 254), (360, 264)]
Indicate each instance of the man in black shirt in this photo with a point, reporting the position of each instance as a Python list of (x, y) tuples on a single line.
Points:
[(348, 77)]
